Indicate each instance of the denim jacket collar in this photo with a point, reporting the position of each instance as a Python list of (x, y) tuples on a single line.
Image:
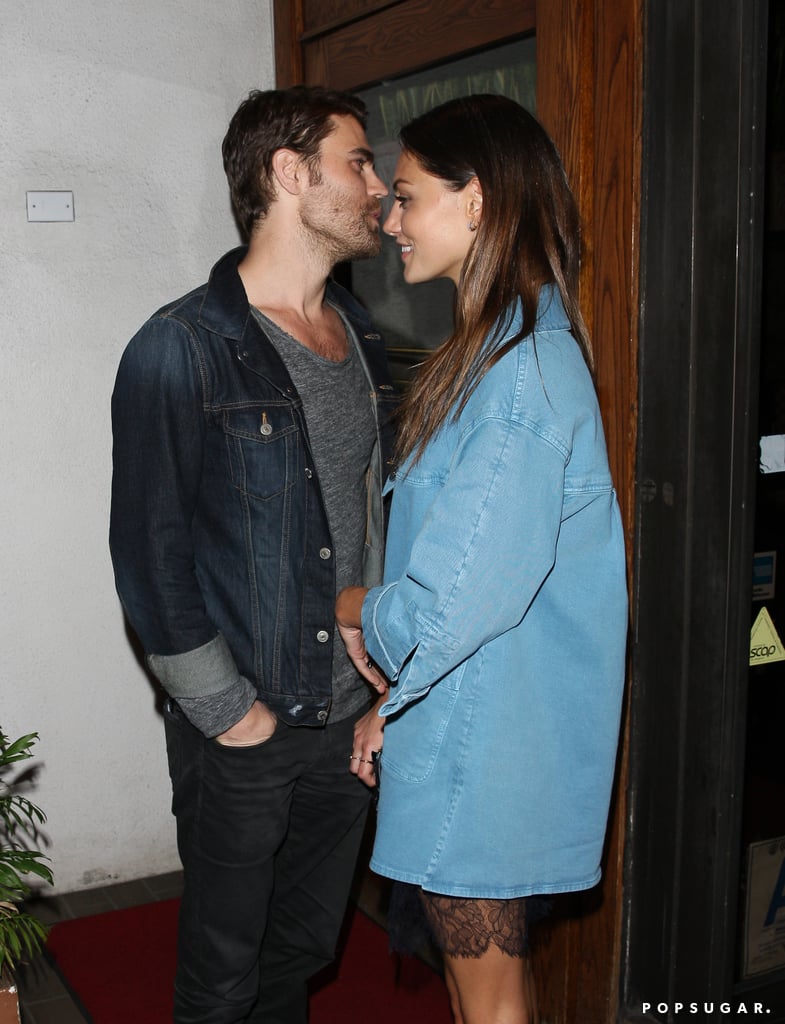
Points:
[(225, 311)]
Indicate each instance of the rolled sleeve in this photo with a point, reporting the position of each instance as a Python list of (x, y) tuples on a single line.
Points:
[(203, 672)]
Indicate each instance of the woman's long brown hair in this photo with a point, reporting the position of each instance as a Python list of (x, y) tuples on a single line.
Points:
[(528, 236)]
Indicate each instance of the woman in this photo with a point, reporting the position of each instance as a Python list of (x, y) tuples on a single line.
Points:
[(501, 624)]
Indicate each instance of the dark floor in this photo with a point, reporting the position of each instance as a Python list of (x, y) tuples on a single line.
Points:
[(42, 995)]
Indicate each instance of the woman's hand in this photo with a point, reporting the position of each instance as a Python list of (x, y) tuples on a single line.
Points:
[(368, 739), (348, 616)]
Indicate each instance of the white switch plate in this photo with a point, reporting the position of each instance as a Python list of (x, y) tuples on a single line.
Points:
[(50, 206)]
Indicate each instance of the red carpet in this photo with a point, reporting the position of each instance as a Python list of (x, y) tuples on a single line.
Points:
[(121, 964)]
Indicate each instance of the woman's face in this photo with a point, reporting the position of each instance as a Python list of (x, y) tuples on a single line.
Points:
[(430, 222)]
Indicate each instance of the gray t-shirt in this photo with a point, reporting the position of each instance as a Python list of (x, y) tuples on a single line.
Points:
[(342, 431)]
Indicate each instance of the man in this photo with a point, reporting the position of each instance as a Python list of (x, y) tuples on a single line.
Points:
[(250, 436)]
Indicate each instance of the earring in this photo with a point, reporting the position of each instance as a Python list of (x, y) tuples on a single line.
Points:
[(472, 225)]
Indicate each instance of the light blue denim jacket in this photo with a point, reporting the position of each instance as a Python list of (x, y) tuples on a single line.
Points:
[(502, 624)]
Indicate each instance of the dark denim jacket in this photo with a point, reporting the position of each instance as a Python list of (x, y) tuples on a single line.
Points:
[(219, 537)]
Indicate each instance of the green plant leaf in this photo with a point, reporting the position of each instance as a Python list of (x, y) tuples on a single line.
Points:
[(17, 812), (19, 750), (21, 937), (21, 934)]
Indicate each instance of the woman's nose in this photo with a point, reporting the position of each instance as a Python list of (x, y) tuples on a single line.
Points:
[(392, 224)]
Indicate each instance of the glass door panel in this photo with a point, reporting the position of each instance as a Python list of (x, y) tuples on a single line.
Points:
[(761, 931), (416, 318)]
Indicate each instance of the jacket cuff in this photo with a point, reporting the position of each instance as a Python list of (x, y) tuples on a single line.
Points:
[(392, 646), (203, 672)]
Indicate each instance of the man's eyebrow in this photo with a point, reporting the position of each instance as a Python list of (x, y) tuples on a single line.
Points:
[(366, 154)]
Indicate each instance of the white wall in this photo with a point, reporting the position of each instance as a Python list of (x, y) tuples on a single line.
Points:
[(125, 103)]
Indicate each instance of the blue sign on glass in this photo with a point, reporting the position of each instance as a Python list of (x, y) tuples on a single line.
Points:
[(764, 571)]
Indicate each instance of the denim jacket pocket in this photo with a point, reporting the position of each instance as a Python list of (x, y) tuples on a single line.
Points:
[(420, 728), (262, 443)]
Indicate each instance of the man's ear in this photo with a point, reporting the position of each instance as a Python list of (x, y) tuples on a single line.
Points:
[(289, 171)]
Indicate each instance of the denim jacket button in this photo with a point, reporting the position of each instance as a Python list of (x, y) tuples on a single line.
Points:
[(321, 716), (308, 472), (322, 636), (324, 553)]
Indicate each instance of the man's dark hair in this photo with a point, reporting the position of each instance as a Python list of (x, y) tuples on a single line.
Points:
[(298, 119)]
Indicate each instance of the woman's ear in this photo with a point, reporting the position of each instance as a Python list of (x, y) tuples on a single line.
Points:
[(288, 170), (474, 203)]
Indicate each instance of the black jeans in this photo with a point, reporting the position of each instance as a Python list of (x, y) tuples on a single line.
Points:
[(268, 837)]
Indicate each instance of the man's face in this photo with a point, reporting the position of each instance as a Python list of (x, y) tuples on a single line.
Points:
[(341, 208)]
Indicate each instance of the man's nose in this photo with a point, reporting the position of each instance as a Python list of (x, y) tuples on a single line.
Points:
[(376, 186)]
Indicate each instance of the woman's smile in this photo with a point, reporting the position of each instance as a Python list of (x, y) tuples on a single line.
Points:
[(429, 222)]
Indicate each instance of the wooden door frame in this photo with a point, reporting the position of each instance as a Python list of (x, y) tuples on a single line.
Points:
[(589, 98)]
